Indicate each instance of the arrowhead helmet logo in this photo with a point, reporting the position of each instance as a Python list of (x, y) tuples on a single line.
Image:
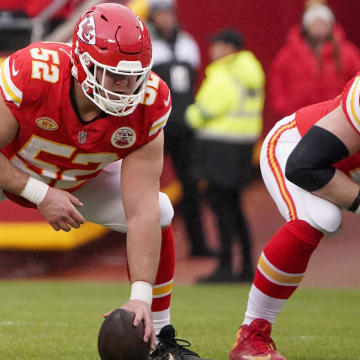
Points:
[(86, 30)]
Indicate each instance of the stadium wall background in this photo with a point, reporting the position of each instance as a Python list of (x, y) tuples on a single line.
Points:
[(265, 24)]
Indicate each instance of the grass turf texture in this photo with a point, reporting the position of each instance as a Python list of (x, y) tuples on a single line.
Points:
[(60, 320)]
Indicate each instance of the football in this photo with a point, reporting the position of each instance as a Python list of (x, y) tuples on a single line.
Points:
[(119, 339)]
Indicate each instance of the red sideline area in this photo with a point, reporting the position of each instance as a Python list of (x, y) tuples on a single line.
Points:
[(25, 229), (11, 212), (30, 247), (334, 264)]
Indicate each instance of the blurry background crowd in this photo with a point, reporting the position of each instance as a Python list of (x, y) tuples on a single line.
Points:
[(234, 68)]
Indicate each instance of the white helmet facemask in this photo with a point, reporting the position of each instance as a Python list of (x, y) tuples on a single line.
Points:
[(112, 102)]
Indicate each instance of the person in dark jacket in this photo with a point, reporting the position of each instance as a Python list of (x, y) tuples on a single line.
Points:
[(176, 58)]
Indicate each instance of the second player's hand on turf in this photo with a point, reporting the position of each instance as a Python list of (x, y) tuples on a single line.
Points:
[(142, 311), (58, 209)]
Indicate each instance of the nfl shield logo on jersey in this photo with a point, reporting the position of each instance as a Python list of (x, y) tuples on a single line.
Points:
[(123, 137), (82, 135)]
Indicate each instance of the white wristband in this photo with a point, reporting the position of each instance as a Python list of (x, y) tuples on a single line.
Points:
[(34, 190), (141, 290)]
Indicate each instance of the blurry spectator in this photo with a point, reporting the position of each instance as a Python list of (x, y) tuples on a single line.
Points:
[(227, 118), (15, 26), (315, 63), (25, 22), (65, 8), (176, 58)]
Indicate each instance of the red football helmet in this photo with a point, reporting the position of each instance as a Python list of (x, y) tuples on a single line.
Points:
[(111, 39)]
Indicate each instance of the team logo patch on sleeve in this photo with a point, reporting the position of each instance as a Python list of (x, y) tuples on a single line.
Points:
[(123, 137)]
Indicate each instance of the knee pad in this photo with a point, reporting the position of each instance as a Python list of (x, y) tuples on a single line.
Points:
[(324, 216), (166, 210)]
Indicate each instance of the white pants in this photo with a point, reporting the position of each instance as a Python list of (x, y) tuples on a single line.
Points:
[(292, 201), (102, 201)]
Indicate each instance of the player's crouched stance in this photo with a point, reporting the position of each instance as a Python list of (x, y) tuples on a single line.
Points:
[(310, 164), (81, 138)]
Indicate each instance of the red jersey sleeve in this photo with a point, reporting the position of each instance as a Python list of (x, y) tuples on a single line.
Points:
[(14, 76), (29, 77), (350, 99), (160, 110)]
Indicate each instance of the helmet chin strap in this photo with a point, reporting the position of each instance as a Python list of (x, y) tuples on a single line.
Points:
[(74, 72)]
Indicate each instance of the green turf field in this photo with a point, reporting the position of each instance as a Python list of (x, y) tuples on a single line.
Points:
[(60, 320)]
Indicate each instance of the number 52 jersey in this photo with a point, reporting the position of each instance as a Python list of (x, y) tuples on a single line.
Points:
[(53, 143)]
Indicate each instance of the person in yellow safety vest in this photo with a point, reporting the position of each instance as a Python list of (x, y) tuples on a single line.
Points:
[(227, 120)]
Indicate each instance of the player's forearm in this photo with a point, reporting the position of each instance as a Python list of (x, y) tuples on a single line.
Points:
[(12, 179), (143, 248)]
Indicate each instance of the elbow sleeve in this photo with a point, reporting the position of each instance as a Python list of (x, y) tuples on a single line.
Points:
[(309, 166)]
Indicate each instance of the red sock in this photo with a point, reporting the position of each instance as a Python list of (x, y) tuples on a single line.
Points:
[(285, 257), (165, 275)]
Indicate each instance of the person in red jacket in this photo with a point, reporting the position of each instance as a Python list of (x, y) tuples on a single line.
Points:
[(314, 64)]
